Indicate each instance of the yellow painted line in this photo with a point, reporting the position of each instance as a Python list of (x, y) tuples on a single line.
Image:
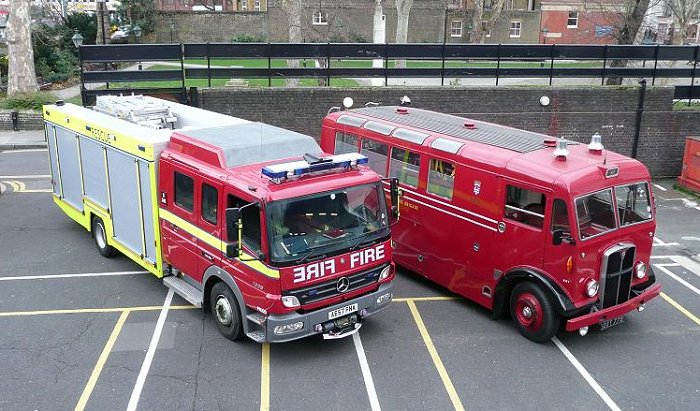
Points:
[(265, 378), (405, 300), (680, 308), (456, 402), (92, 310), (101, 362)]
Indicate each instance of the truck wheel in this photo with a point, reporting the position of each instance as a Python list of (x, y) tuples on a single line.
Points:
[(224, 308), (100, 235), (533, 313)]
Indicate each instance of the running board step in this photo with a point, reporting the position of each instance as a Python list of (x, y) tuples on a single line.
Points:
[(258, 336), (184, 289), (256, 318)]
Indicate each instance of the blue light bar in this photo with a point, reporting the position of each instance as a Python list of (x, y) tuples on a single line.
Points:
[(297, 168)]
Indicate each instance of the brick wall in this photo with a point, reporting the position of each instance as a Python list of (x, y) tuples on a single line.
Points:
[(574, 112), (28, 120)]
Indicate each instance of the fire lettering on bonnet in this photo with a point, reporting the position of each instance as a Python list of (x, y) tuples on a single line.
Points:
[(367, 256), (328, 267)]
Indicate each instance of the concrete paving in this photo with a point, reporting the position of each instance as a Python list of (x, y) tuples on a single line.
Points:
[(20, 140)]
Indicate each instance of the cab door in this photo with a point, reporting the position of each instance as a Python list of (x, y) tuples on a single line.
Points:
[(521, 244), (558, 252), (178, 219), (210, 220)]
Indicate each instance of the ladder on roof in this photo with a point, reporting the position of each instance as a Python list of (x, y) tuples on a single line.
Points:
[(137, 109)]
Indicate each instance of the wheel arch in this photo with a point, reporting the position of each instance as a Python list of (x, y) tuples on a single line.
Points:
[(560, 299), (215, 274)]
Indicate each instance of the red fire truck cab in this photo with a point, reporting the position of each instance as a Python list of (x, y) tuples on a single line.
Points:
[(547, 230)]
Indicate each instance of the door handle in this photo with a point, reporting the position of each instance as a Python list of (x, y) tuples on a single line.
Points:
[(208, 257)]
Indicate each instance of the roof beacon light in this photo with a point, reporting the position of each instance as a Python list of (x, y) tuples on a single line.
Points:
[(561, 151), (297, 168), (348, 102), (596, 145)]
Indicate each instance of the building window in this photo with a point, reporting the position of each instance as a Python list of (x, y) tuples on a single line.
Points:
[(256, 5), (515, 28), (488, 32), (244, 5), (572, 21), (320, 19), (456, 28)]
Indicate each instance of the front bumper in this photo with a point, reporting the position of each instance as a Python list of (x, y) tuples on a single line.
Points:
[(614, 311), (320, 316)]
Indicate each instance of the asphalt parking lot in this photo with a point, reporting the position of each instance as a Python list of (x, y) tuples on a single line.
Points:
[(78, 331)]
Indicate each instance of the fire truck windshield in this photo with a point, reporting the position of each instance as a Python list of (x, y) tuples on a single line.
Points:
[(326, 222), (596, 215)]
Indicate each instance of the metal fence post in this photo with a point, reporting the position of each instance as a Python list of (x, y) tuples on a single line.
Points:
[(692, 75), (605, 61), (656, 62), (269, 66), (498, 60), (386, 64), (442, 71), (638, 122), (551, 64), (328, 64), (82, 80), (209, 64)]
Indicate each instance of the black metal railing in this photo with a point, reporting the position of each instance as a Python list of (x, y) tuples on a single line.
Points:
[(205, 62)]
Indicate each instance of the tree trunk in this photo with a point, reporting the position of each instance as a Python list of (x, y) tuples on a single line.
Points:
[(628, 32), (293, 9), (403, 9), (21, 74)]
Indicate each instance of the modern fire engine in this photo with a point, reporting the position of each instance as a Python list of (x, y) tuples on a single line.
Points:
[(254, 221), (547, 229)]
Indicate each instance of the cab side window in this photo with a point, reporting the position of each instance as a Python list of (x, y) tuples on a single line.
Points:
[(184, 191), (345, 143), (441, 178), (404, 166), (376, 154), (250, 217), (560, 216), (525, 206), (210, 199)]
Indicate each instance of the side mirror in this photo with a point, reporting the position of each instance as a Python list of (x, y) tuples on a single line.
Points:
[(232, 250), (559, 236), (394, 190)]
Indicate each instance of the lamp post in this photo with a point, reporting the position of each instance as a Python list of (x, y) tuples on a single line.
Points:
[(77, 40), (137, 32)]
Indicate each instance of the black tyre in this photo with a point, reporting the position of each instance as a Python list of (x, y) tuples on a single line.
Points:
[(100, 235), (533, 312), (224, 308)]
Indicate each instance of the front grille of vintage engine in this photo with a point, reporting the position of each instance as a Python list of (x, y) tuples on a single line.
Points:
[(616, 275)]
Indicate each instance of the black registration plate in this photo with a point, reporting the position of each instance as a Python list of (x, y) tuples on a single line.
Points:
[(604, 325)]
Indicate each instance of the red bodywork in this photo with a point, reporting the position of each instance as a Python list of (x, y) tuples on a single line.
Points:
[(198, 248), (466, 243)]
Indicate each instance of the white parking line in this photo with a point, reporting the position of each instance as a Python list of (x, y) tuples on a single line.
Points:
[(659, 243), (660, 187), (586, 375), (28, 176), (663, 256), (29, 150), (663, 268), (141, 379), (366, 373), (55, 276)]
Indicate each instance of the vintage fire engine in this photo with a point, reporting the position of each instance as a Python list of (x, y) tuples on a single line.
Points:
[(519, 222), (279, 240)]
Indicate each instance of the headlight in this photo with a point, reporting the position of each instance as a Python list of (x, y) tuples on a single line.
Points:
[(385, 273), (591, 288), (290, 301), (289, 328), (640, 271)]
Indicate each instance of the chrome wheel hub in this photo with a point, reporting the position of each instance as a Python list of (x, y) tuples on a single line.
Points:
[(527, 312), (223, 311)]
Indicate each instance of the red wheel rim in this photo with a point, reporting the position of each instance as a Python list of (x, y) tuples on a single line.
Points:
[(528, 311)]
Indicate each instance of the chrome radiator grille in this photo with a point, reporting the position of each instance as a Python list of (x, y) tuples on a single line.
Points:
[(616, 275)]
